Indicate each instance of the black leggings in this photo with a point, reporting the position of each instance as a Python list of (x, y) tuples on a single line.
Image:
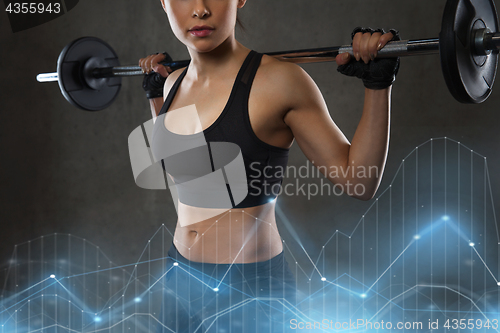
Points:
[(251, 297)]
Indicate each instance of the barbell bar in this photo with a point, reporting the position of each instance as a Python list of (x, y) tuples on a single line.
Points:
[(89, 73), (392, 49)]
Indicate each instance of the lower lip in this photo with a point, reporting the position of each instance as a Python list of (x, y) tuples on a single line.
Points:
[(201, 33)]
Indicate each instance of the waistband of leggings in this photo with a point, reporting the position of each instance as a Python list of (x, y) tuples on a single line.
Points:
[(276, 262)]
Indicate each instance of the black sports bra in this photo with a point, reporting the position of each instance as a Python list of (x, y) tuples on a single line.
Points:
[(226, 165)]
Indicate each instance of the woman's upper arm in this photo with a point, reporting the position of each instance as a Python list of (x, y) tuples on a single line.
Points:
[(317, 135)]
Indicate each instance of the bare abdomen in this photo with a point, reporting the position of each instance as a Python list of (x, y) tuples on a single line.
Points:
[(235, 236)]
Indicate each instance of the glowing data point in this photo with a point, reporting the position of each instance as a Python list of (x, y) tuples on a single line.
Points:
[(445, 218), (216, 289), (52, 276), (416, 237), (97, 319), (323, 279), (498, 284), (471, 244), (176, 264), (363, 295), (137, 299)]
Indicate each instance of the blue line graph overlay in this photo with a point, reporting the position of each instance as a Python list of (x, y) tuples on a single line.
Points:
[(426, 251)]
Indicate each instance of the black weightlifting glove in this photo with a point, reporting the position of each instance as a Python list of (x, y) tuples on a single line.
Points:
[(377, 74), (153, 82)]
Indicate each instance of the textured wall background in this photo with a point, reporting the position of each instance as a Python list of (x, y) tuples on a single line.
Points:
[(68, 171)]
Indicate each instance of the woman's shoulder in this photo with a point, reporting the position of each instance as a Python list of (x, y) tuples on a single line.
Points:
[(279, 69), (285, 78), (172, 77)]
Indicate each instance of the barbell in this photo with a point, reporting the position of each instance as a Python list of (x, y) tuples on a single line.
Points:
[(89, 73)]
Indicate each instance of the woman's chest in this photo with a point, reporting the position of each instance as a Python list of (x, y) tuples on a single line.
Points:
[(197, 108)]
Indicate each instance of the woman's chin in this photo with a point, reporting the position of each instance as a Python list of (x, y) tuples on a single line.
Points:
[(205, 45), (203, 48)]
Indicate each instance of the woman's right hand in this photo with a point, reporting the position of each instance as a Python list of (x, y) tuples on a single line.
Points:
[(156, 74), (152, 63)]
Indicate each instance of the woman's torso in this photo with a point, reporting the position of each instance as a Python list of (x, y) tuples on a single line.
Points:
[(239, 234)]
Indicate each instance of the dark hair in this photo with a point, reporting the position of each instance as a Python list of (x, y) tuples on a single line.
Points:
[(239, 23)]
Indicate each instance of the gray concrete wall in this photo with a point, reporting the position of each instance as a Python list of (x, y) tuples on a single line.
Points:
[(68, 171)]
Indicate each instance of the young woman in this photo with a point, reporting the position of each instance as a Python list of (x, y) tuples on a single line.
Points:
[(226, 270)]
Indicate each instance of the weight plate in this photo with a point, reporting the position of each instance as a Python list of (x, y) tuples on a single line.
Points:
[(469, 77), (71, 71)]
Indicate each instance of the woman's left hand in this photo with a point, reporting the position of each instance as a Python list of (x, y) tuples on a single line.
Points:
[(365, 46), (377, 74)]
